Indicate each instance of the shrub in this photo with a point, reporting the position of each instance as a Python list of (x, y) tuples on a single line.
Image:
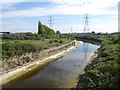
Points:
[(56, 40), (51, 41), (60, 41), (103, 54)]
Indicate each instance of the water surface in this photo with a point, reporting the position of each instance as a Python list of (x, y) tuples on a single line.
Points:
[(62, 73)]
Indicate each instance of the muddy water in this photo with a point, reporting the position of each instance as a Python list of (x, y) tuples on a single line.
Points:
[(62, 73)]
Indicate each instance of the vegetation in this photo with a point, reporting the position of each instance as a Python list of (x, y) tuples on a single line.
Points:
[(10, 49), (22, 36), (58, 32), (13, 48), (102, 73), (104, 70), (44, 30), (20, 43), (40, 28)]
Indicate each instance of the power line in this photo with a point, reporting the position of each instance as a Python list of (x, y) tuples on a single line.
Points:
[(50, 21), (86, 25)]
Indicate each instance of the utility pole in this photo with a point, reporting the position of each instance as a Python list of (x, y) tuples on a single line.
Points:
[(86, 27), (50, 22)]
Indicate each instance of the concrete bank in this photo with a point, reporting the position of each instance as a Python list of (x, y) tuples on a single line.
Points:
[(26, 69), (90, 40)]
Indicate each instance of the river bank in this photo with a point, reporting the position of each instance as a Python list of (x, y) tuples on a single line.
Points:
[(90, 40), (20, 71), (102, 72), (81, 79), (61, 73)]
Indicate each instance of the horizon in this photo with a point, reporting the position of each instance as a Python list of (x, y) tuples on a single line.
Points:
[(23, 15)]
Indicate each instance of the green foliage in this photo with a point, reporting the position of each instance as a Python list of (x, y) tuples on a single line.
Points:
[(22, 36), (104, 70), (103, 54), (56, 40), (18, 47), (60, 41), (48, 31), (58, 32), (53, 40), (10, 49), (5, 36), (40, 28), (93, 32), (67, 36), (43, 32)]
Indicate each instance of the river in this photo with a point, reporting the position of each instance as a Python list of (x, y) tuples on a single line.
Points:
[(61, 73)]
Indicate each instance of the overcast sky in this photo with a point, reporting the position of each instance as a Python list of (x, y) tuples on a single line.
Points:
[(23, 15)]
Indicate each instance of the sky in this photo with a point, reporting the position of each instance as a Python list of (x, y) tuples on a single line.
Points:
[(68, 16)]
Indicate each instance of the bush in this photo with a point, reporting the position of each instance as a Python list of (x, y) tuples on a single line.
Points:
[(51, 41), (56, 40), (10, 49), (60, 41)]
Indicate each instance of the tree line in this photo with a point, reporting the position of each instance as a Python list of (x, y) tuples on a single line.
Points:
[(44, 32)]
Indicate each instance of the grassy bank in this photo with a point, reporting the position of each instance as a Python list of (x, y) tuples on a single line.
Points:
[(27, 70), (103, 72), (11, 48)]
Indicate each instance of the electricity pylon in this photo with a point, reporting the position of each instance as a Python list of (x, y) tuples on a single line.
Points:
[(50, 22), (86, 26)]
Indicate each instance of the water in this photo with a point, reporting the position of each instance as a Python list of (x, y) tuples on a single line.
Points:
[(62, 73)]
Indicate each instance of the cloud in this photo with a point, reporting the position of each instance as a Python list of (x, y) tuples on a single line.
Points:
[(24, 13), (88, 3), (8, 4), (65, 7), (59, 17), (58, 10)]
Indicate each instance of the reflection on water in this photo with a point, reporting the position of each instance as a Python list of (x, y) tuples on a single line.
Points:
[(85, 47), (61, 73)]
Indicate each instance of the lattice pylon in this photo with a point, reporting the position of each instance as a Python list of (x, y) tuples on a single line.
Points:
[(86, 25)]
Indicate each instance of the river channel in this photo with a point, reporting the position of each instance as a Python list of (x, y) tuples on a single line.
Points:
[(61, 73)]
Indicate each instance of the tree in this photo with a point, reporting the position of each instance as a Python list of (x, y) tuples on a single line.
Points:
[(40, 28), (48, 31), (58, 32), (29, 34), (93, 32)]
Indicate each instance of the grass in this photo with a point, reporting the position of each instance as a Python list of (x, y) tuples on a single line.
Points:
[(11, 48)]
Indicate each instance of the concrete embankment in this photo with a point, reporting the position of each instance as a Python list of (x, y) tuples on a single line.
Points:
[(42, 59), (90, 40)]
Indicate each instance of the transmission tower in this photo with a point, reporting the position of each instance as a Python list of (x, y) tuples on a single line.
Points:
[(50, 22), (86, 27)]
